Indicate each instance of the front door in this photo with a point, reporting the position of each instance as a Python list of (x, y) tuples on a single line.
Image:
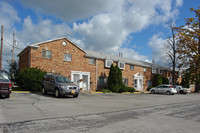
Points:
[(82, 79), (138, 82)]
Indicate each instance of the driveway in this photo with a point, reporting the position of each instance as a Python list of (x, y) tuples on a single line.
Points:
[(141, 113)]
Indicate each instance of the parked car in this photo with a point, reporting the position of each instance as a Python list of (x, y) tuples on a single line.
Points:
[(166, 89), (59, 85), (180, 89), (5, 85)]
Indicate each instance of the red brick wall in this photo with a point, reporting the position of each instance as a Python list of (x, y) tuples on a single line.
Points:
[(24, 60)]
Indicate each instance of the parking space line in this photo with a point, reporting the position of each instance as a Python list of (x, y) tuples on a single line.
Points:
[(14, 97)]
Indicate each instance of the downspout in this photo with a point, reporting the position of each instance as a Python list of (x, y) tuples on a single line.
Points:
[(96, 71)]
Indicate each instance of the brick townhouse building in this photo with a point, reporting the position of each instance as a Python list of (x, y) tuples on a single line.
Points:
[(88, 69)]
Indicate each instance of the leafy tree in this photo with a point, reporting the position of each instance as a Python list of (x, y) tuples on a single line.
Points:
[(157, 80), (30, 79), (13, 70), (165, 80), (189, 46), (115, 83), (186, 79)]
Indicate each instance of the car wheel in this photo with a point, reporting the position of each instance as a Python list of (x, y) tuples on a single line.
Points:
[(57, 93), (7, 96), (152, 91), (75, 95), (168, 93), (181, 92), (44, 91)]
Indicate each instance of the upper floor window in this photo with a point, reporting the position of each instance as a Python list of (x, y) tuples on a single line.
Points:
[(160, 71), (46, 54), (121, 65), (67, 57), (153, 69), (92, 61), (131, 67), (108, 63), (144, 69)]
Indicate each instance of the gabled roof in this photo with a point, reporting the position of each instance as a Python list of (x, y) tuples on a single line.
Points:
[(36, 45)]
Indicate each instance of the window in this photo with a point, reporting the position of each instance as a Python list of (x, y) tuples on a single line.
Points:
[(160, 71), (131, 67), (144, 69), (67, 57), (46, 54), (179, 74), (102, 82), (121, 65), (108, 63), (125, 81), (92, 61), (153, 69)]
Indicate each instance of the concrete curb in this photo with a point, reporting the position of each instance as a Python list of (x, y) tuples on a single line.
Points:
[(146, 92), (21, 92)]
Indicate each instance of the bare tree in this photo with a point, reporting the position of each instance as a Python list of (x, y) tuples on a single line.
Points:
[(170, 50)]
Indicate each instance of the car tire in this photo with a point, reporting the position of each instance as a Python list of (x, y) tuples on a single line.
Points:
[(57, 93), (153, 92), (181, 92), (75, 95), (168, 93), (44, 90), (7, 96)]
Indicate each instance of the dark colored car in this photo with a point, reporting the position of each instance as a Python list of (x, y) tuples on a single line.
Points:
[(59, 85), (5, 85)]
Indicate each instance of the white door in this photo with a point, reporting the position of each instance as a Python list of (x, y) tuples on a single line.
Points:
[(82, 79), (138, 82)]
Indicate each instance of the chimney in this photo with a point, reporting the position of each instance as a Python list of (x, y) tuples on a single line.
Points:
[(153, 61)]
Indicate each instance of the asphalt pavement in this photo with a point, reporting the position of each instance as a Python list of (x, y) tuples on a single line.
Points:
[(97, 113)]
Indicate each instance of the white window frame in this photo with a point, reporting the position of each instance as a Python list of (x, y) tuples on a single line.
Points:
[(144, 69), (160, 71), (92, 61), (106, 63), (67, 57), (120, 65), (47, 53), (154, 70)]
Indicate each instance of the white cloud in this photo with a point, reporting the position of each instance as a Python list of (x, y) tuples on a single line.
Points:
[(158, 45), (104, 25)]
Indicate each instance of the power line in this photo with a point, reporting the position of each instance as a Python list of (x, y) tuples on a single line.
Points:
[(12, 45)]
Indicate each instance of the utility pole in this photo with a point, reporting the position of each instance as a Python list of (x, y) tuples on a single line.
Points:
[(13, 56), (1, 47), (13, 47)]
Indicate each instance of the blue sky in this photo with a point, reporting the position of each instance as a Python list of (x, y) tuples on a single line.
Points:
[(137, 28)]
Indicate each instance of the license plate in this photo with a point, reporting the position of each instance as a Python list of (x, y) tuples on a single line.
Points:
[(73, 91)]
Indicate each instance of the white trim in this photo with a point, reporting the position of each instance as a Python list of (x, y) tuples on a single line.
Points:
[(119, 65), (108, 59), (81, 77), (138, 77)]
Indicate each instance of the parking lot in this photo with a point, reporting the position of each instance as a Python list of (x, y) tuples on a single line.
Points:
[(134, 113)]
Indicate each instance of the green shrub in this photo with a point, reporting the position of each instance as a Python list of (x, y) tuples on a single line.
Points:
[(106, 91), (148, 89), (30, 79), (157, 80), (165, 80), (130, 89)]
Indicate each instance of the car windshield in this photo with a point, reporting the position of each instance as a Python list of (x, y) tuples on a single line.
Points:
[(4, 76), (63, 80)]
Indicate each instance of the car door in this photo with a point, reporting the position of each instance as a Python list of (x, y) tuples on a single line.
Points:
[(52, 84), (159, 89)]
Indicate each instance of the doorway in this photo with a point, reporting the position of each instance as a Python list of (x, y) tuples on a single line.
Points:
[(138, 82), (82, 79)]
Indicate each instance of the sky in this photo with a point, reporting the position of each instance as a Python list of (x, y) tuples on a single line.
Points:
[(136, 28)]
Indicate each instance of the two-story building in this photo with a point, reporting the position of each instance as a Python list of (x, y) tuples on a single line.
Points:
[(88, 69)]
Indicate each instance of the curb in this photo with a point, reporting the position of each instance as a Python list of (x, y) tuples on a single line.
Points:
[(95, 92), (21, 91)]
